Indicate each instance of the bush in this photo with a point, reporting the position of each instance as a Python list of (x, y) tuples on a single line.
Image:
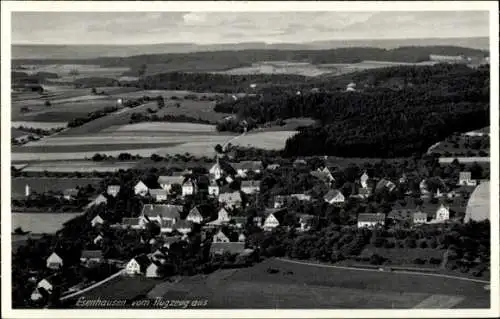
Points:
[(434, 261), (272, 270), (419, 261), (47, 103)]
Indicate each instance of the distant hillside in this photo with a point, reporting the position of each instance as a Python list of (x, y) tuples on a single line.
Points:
[(95, 51), (221, 60)]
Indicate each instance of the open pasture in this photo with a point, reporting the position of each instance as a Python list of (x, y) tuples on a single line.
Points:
[(77, 166), (305, 286)]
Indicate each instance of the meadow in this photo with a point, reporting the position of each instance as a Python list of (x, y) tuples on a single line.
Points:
[(306, 286), (40, 223), (45, 184), (77, 166)]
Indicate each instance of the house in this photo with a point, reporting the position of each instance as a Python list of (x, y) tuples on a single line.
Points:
[(98, 239), (54, 261), (43, 289), (132, 222), (158, 256), (419, 218), (168, 241), (305, 222), (137, 265), (141, 189), (113, 190), (233, 248), (216, 170), (423, 187), (403, 179), (213, 189), (322, 176), (230, 200), (299, 162), (166, 182), (250, 187), (364, 192), (184, 226), (195, 216), (166, 226), (257, 221), (70, 193), (301, 197), (91, 256), (220, 237), (97, 220), (242, 168), (46, 285), (334, 196), (159, 194), (385, 184), (371, 220), (465, 179), (153, 270), (161, 212), (98, 200), (442, 213), (222, 218), (242, 238), (279, 201), (188, 187), (274, 218), (364, 180), (438, 193), (37, 294)]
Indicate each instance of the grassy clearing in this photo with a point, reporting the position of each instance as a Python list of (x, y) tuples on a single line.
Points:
[(166, 126), (85, 148), (78, 166)]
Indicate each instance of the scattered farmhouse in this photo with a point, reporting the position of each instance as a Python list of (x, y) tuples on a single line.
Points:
[(222, 218), (153, 270), (385, 184), (54, 261), (419, 218), (305, 222), (334, 196), (369, 220), (220, 237), (113, 190), (91, 256)]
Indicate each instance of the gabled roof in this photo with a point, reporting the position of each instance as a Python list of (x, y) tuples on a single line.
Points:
[(70, 192), (250, 184), (143, 261), (168, 180), (113, 188), (195, 212), (419, 215), (158, 191), (278, 213), (189, 181), (171, 239), (367, 217), (92, 254), (306, 217), (320, 175), (165, 211), (332, 194), (385, 183), (233, 196), (183, 224)]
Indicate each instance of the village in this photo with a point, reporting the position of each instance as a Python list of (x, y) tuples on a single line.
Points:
[(173, 213)]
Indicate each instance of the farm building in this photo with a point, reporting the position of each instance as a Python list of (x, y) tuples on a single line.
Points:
[(162, 212), (113, 190), (385, 184), (301, 197), (220, 237), (305, 222), (166, 226), (97, 220), (334, 196), (478, 207), (153, 270), (419, 218), (54, 261), (168, 241), (195, 216), (238, 221), (279, 201), (98, 239), (371, 220), (250, 187)]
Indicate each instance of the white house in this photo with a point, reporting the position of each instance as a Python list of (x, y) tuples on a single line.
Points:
[(419, 218), (98, 239), (371, 220), (161, 212), (54, 261), (166, 226), (137, 265), (442, 213), (230, 200), (97, 220), (153, 270), (250, 187), (364, 180), (141, 189), (184, 226), (195, 216), (241, 238), (45, 284), (188, 187), (244, 167), (113, 190), (159, 195), (216, 170), (273, 219), (213, 189), (465, 179), (305, 221), (222, 218), (220, 237), (99, 199), (334, 196), (166, 182)]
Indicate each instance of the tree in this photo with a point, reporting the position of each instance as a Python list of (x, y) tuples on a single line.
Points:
[(218, 148), (47, 103), (176, 189), (93, 91), (160, 101)]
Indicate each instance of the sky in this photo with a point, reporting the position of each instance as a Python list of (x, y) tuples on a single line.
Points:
[(234, 27)]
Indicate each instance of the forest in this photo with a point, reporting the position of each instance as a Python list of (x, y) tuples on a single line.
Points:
[(429, 104)]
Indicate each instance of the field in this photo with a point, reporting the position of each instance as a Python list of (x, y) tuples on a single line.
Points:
[(318, 287), (76, 166), (402, 256), (63, 70), (41, 185), (40, 125), (464, 160), (15, 133), (41, 223)]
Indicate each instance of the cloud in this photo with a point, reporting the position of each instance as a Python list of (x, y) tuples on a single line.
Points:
[(224, 27)]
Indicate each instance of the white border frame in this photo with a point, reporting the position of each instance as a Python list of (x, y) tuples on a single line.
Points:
[(122, 6)]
